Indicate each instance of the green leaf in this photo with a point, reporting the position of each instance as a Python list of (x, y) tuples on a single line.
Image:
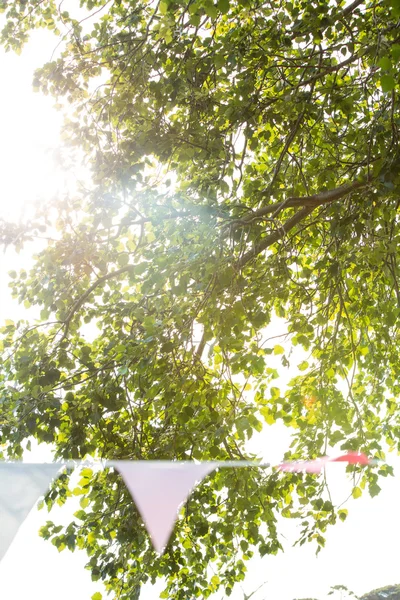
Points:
[(97, 596), (80, 514), (268, 416), (168, 36), (195, 19), (219, 61), (163, 7), (279, 349), (91, 537), (395, 4), (86, 472), (374, 489), (396, 52), (356, 493), (223, 6), (385, 63), (387, 83), (242, 423), (330, 373), (210, 9)]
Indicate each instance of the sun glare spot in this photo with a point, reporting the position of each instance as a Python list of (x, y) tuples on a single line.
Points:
[(30, 129)]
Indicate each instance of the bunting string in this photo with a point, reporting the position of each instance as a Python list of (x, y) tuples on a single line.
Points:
[(158, 488)]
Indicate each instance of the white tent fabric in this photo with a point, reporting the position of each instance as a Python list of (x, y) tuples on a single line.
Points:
[(21, 485), (159, 489)]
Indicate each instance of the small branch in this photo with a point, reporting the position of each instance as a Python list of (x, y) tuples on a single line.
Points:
[(285, 149), (200, 349), (275, 236), (79, 302)]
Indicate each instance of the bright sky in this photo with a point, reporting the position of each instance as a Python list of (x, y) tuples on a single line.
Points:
[(361, 553)]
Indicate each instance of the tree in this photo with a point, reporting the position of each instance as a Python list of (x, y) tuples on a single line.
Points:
[(245, 163), (391, 592), (342, 592)]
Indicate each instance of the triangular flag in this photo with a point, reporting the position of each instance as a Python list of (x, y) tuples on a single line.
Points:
[(316, 466), (158, 489), (309, 466), (21, 485), (353, 458)]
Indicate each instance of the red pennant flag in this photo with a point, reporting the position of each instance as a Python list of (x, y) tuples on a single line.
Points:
[(316, 466), (353, 458)]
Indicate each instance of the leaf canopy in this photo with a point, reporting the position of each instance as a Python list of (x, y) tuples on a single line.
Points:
[(245, 163)]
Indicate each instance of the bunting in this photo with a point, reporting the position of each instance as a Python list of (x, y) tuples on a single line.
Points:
[(21, 486), (316, 466), (158, 488)]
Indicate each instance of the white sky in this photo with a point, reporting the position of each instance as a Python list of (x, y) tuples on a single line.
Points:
[(361, 553)]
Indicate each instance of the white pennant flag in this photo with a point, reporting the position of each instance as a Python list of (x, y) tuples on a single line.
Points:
[(159, 489), (21, 485)]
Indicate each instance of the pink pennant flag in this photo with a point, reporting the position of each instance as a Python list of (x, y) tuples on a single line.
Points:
[(158, 489), (309, 466), (316, 466)]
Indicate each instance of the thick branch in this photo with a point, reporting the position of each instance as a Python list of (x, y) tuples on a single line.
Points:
[(275, 236), (314, 200), (344, 13), (308, 203), (328, 196), (349, 9)]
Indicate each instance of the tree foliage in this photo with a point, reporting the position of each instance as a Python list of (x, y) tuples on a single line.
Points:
[(245, 164), (391, 592)]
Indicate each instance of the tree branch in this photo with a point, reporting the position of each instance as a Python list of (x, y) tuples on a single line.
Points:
[(314, 200), (286, 147), (275, 236), (349, 9), (200, 348), (328, 196), (78, 303), (309, 203)]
